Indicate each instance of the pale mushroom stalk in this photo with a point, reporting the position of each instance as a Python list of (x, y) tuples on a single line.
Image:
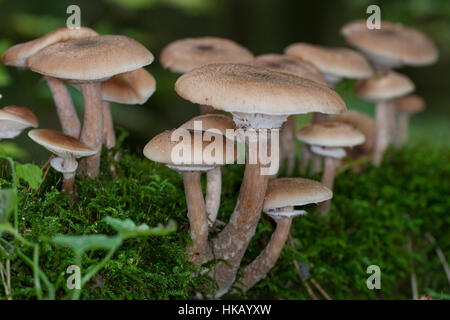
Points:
[(329, 173), (69, 177), (402, 129), (213, 193), (382, 136), (92, 131), (70, 123), (109, 135), (287, 143)]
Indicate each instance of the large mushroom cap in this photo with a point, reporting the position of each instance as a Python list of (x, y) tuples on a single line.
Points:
[(17, 55), (14, 119), (211, 121), (161, 149), (384, 87), (393, 45), (363, 123), (331, 134), (250, 89), (91, 59), (339, 62), (411, 104), (134, 87), (184, 55), (283, 63), (284, 192), (60, 144)]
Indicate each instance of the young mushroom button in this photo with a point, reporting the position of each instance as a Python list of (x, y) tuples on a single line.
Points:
[(14, 119), (89, 62), (282, 196)]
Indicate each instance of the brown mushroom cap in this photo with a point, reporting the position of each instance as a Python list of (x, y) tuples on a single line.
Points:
[(250, 89), (186, 54), (283, 192), (17, 55), (211, 121), (134, 87), (60, 144), (20, 115), (363, 123), (91, 59), (411, 104), (384, 87), (392, 43), (340, 62), (283, 63), (331, 134), (159, 149)]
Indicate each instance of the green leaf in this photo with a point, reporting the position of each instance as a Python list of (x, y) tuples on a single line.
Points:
[(30, 173), (8, 200), (80, 244), (12, 150), (128, 229)]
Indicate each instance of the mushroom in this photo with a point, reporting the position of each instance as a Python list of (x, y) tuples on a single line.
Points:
[(89, 62), (328, 139), (166, 148), (382, 90), (67, 148), (303, 69), (282, 195), (14, 119), (17, 56), (213, 123), (406, 107), (260, 100), (187, 54)]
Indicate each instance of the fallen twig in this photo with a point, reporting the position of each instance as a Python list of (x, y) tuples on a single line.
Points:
[(440, 254)]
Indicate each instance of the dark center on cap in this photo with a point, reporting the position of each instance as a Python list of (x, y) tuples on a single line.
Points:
[(85, 42), (274, 65), (387, 32), (204, 47)]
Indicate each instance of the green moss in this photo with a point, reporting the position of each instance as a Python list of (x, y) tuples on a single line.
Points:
[(366, 225)]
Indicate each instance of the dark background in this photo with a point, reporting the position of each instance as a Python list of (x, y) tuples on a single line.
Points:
[(261, 25)]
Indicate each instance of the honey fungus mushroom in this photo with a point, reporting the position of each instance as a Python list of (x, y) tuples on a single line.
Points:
[(406, 107), (14, 119)]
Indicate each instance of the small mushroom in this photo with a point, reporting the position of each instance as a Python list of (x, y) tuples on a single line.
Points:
[(67, 148), (218, 123), (89, 62), (282, 196), (328, 139), (187, 54), (165, 148), (406, 107), (382, 90), (13, 120), (17, 56)]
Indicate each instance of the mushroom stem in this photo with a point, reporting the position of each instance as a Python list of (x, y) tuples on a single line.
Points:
[(319, 117), (328, 180), (92, 131), (231, 243), (197, 216), (287, 144), (382, 131), (67, 114), (265, 261), (213, 193), (402, 129), (109, 136), (68, 177), (305, 159)]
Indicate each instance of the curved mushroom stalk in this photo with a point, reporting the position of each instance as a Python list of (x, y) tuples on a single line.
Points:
[(287, 144), (109, 136), (213, 193), (382, 130), (265, 261), (70, 123), (305, 158), (402, 129), (68, 167)]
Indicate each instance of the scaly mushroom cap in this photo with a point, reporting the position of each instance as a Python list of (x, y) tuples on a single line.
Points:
[(14, 119), (91, 59), (17, 55), (249, 89), (60, 144), (161, 147), (384, 87), (186, 54), (286, 64), (284, 192), (339, 62), (134, 87), (394, 45), (411, 104), (331, 134), (211, 121), (363, 123)]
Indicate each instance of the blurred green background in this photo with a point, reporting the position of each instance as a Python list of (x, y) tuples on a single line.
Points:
[(261, 25)]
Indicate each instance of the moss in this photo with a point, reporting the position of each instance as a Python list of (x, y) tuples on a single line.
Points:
[(366, 225)]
